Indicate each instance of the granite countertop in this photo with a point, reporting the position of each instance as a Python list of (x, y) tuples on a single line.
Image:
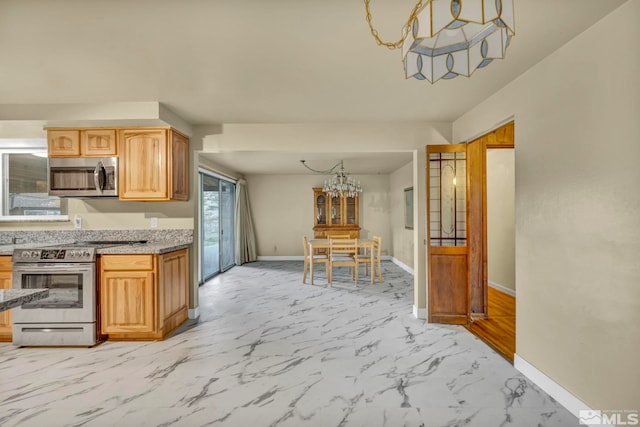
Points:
[(144, 248), (154, 247), (10, 298)]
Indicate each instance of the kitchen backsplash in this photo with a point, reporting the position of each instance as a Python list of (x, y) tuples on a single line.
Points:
[(55, 236)]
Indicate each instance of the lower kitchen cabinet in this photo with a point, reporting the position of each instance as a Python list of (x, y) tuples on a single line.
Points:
[(143, 297), (5, 283)]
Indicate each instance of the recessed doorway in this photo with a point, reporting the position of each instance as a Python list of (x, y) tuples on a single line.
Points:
[(498, 328)]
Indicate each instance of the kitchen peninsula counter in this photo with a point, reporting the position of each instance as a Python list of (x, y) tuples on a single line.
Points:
[(159, 247), (10, 298), (144, 248)]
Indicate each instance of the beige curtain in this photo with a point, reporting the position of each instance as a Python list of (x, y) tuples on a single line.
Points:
[(245, 237)]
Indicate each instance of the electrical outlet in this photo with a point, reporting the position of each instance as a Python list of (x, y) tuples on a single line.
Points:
[(77, 221), (154, 222)]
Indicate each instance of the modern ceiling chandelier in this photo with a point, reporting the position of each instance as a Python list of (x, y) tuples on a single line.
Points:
[(340, 184), (443, 39)]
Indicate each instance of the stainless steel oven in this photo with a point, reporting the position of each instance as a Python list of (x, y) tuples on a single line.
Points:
[(83, 176), (67, 317)]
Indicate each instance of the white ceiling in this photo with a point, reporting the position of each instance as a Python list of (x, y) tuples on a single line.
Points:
[(288, 163), (254, 61)]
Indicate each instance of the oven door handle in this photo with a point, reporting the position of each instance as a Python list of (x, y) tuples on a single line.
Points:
[(52, 266), (100, 177)]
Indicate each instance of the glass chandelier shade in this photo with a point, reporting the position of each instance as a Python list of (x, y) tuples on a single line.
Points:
[(341, 184), (448, 38)]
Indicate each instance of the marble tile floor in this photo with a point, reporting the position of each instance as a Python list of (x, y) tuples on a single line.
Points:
[(270, 351)]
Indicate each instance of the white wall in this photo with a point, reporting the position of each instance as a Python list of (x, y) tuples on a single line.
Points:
[(282, 210), (501, 236), (577, 133), (402, 244)]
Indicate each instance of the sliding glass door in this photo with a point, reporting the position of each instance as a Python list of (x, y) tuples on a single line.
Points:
[(227, 217), (217, 212)]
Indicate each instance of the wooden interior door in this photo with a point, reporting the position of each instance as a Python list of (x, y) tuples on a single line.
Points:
[(448, 299)]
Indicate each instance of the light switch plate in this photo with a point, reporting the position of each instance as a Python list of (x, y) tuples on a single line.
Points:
[(77, 221), (154, 222)]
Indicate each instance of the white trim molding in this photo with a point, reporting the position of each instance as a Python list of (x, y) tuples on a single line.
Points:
[(552, 388), (503, 289), (402, 265), (281, 258), (194, 313), (420, 313)]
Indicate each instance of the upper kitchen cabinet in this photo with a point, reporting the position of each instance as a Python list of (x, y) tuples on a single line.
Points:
[(82, 142), (154, 165)]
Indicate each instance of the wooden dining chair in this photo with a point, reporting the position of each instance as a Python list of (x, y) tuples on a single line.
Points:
[(377, 245), (371, 258), (312, 258), (366, 258), (339, 236), (342, 254)]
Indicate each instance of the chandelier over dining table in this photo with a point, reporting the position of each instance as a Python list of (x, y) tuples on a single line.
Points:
[(443, 39), (340, 184)]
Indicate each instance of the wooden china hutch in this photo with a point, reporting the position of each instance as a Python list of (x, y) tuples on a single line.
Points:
[(335, 215)]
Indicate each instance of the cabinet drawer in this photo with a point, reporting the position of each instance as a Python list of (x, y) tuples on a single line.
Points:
[(127, 262), (5, 263)]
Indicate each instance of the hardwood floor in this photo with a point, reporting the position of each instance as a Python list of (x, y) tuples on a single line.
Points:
[(499, 329)]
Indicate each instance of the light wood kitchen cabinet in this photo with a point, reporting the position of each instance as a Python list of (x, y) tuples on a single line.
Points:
[(143, 297), (82, 142), (179, 166), (5, 283), (335, 215), (173, 277), (98, 142), (153, 165)]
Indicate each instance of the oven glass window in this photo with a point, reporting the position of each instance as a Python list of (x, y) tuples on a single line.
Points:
[(65, 290)]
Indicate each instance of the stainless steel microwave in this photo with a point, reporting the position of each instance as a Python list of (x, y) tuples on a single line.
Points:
[(83, 176)]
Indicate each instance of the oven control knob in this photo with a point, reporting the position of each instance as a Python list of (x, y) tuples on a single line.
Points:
[(25, 254)]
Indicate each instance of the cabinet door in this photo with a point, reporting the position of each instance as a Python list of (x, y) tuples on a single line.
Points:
[(98, 142), (143, 165), (321, 206), (63, 143), (127, 301), (173, 277), (336, 211), (5, 283), (179, 166), (351, 210)]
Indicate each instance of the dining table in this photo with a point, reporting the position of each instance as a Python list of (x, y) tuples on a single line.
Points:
[(11, 298), (315, 244)]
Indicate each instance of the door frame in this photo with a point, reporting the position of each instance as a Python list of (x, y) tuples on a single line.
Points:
[(501, 137), (476, 277), (201, 173)]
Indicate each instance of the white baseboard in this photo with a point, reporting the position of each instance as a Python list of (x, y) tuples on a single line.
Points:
[(281, 258), (301, 258), (503, 289), (402, 265), (552, 388), (194, 313), (419, 313)]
